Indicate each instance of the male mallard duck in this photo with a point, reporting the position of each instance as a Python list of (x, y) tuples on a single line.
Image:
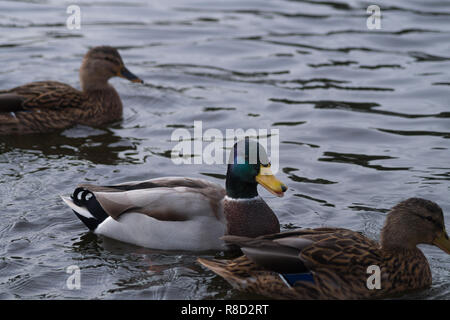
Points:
[(48, 105), (184, 213), (331, 263)]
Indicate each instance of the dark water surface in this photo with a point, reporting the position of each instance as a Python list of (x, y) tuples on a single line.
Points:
[(364, 122)]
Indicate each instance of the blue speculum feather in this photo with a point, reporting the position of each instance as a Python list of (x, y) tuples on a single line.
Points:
[(292, 278)]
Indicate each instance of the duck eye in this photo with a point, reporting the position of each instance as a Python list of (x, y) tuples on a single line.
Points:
[(113, 61), (429, 218)]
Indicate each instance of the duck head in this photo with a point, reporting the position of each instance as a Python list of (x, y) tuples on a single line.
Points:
[(249, 166), (101, 64), (412, 222)]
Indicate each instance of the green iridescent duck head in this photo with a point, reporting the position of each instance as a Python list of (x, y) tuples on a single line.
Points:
[(101, 64), (249, 166)]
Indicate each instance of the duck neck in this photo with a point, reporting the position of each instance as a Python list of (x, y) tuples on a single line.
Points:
[(94, 85), (392, 245), (92, 81), (394, 238), (238, 189), (246, 213)]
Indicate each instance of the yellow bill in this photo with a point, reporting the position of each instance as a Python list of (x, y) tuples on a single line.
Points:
[(270, 182)]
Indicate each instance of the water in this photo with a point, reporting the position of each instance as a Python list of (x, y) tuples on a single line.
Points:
[(363, 118)]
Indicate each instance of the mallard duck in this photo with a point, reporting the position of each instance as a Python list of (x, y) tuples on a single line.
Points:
[(332, 263), (49, 105), (175, 213)]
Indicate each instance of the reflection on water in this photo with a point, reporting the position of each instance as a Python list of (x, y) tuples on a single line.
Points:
[(95, 145), (358, 159), (362, 114)]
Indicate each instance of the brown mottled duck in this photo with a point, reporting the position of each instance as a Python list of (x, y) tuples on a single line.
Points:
[(45, 106), (333, 263)]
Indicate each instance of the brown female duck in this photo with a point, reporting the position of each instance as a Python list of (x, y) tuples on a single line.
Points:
[(330, 263), (49, 105)]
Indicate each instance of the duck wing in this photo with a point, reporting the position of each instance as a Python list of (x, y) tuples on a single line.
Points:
[(167, 199), (297, 251), (41, 94)]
